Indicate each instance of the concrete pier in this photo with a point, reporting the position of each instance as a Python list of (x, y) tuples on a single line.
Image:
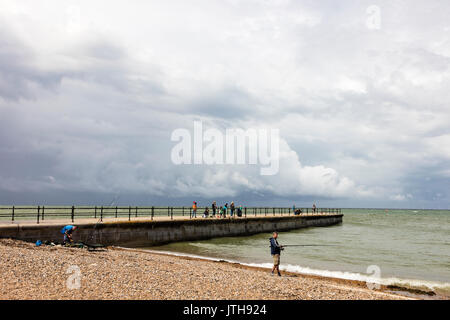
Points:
[(148, 233)]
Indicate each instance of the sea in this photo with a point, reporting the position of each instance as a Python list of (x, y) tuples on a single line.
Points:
[(404, 248)]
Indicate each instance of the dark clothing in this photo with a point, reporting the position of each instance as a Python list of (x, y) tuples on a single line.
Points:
[(275, 247)]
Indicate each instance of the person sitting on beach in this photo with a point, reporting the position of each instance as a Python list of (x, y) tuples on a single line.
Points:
[(67, 232), (275, 251)]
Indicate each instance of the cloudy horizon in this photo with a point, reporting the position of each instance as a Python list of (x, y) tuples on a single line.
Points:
[(91, 91)]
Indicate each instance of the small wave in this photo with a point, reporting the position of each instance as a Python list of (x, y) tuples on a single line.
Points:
[(423, 285)]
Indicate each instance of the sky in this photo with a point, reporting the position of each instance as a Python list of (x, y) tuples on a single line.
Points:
[(91, 92)]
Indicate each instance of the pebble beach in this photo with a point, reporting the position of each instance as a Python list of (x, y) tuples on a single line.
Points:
[(46, 272)]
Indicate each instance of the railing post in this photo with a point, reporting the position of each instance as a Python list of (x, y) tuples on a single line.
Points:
[(153, 212), (171, 213), (12, 216), (116, 212), (38, 209), (73, 213), (95, 212), (43, 208), (245, 212), (183, 211), (190, 213), (129, 213), (168, 211), (136, 213), (101, 214)]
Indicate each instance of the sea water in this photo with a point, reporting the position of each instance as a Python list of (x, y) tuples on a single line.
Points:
[(410, 248)]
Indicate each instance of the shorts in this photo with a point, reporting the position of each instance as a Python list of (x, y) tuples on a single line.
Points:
[(276, 259)]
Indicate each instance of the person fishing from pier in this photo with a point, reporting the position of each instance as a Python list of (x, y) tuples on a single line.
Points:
[(239, 211), (232, 209), (206, 213), (275, 251), (225, 209), (214, 209), (67, 232), (194, 209)]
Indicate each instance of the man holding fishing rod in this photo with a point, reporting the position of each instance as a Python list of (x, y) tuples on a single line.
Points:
[(275, 251)]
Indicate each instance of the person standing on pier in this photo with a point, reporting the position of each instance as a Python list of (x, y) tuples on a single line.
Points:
[(232, 209), (225, 209), (214, 208), (194, 210), (275, 251), (314, 208)]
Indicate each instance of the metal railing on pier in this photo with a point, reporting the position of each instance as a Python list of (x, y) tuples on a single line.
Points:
[(72, 213)]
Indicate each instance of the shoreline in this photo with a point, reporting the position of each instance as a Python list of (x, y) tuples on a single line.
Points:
[(30, 272), (423, 294)]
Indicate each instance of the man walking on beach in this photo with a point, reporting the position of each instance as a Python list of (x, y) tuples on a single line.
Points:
[(67, 231), (275, 251)]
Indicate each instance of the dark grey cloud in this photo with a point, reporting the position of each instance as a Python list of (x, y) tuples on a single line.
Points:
[(18, 78), (86, 112)]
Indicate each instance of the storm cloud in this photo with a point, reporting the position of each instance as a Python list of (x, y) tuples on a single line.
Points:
[(90, 92)]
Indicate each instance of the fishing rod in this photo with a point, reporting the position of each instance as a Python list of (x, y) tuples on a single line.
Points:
[(308, 245), (112, 203)]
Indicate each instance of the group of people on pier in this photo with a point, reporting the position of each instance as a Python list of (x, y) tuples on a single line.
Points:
[(231, 210), (224, 211)]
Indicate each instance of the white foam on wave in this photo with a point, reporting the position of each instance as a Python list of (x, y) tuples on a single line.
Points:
[(407, 283)]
